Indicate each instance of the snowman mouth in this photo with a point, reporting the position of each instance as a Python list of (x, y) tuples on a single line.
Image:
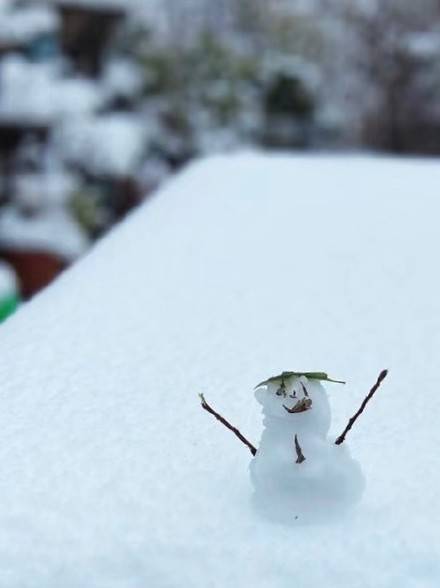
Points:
[(300, 406)]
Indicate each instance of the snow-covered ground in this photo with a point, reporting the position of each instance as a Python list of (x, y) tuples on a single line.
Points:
[(111, 475)]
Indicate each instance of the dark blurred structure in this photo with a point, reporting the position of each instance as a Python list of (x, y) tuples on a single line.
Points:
[(34, 269), (86, 33), (13, 134)]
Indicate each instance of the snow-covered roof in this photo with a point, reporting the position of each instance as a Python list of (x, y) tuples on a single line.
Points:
[(31, 92), (21, 24), (112, 474)]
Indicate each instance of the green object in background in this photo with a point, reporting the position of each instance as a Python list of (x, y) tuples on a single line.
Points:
[(8, 305), (9, 293)]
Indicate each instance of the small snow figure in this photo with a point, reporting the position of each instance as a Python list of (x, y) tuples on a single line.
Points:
[(298, 474)]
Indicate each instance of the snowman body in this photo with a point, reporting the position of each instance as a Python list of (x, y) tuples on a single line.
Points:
[(325, 481)]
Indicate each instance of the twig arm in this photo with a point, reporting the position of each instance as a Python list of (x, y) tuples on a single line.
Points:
[(299, 454), (228, 425), (383, 374)]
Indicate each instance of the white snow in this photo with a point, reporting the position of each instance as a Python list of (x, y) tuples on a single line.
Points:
[(38, 92), (111, 475), (52, 230), (423, 45), (122, 77), (20, 24)]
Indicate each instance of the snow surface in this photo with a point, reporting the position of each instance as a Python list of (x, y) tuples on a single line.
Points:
[(111, 473)]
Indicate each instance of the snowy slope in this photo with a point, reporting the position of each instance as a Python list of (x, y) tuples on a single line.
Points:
[(111, 475)]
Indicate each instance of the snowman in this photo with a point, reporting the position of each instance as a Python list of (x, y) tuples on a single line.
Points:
[(299, 475)]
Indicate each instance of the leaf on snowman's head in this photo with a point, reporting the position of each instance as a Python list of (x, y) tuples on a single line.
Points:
[(286, 376), (301, 406)]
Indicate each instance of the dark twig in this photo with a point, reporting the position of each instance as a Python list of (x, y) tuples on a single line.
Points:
[(299, 454), (224, 422), (341, 438)]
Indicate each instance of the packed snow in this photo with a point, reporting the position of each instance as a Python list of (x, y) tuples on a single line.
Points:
[(318, 483), (242, 267)]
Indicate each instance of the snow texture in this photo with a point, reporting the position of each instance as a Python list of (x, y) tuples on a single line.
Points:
[(111, 474), (318, 480)]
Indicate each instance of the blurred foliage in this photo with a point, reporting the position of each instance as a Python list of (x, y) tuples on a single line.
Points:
[(216, 91), (90, 208)]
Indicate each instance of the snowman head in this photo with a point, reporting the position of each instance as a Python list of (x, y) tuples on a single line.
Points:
[(296, 401)]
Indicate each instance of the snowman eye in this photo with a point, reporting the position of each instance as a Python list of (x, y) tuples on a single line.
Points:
[(282, 389), (304, 390)]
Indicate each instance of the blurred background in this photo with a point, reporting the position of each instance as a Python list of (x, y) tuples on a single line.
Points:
[(102, 100)]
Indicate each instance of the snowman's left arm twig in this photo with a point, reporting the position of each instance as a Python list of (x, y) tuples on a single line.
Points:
[(224, 422), (383, 374)]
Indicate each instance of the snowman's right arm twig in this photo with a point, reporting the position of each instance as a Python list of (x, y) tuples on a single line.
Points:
[(224, 422), (341, 438)]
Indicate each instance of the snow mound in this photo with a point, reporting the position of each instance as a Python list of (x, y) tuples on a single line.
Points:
[(111, 474)]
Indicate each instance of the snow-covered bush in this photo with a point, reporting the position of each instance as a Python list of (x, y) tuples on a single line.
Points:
[(217, 93)]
